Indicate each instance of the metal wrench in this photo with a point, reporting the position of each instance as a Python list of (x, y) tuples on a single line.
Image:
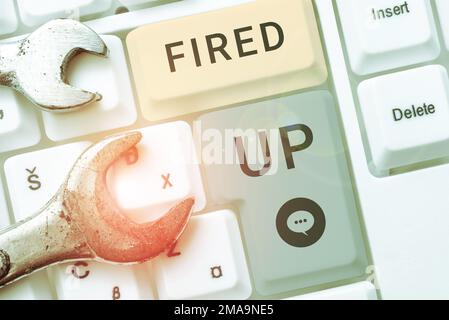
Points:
[(82, 221), (36, 65)]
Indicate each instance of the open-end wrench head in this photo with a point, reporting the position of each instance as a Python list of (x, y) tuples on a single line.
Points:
[(109, 233), (40, 63)]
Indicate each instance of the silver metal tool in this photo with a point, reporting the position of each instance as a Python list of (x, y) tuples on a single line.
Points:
[(36, 66), (82, 221)]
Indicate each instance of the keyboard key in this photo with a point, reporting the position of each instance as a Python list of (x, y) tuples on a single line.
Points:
[(208, 262), (214, 59), (34, 13), (18, 121), (163, 170), (34, 287), (99, 281), (405, 118), (8, 22), (289, 180), (385, 34), (108, 76), (357, 291), (393, 210), (34, 177)]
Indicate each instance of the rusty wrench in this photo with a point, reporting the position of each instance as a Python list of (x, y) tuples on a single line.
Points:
[(82, 221), (36, 66)]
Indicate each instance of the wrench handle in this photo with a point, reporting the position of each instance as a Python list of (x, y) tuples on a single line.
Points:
[(47, 238)]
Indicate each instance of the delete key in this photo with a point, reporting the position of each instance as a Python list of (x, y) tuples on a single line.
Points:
[(226, 57)]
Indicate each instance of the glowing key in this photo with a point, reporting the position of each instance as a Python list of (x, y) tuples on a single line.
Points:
[(224, 57)]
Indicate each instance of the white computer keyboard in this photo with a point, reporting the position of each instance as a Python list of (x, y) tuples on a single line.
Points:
[(345, 102)]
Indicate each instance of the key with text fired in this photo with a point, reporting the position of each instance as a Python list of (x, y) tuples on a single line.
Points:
[(224, 57)]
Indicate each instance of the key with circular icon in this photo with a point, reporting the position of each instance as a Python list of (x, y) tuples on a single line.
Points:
[(292, 190)]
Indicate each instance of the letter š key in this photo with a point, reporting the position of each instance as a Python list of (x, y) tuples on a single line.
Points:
[(82, 221), (36, 66)]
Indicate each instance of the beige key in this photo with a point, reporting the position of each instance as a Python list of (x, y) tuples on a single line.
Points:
[(224, 57)]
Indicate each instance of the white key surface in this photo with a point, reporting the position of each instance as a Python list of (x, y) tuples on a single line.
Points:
[(8, 20), (385, 34), (34, 177), (18, 121), (162, 171), (34, 287), (208, 262), (34, 13), (406, 119), (108, 76), (406, 220), (357, 291), (88, 280)]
